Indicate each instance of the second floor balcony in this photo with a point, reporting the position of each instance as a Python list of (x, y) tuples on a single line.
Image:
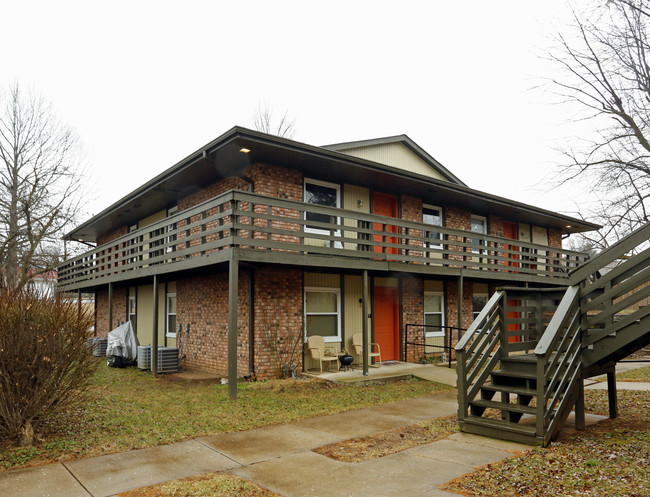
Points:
[(265, 229)]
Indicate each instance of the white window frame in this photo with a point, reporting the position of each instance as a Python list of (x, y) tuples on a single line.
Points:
[(484, 232), (319, 289), (334, 186), (170, 334), (429, 243), (441, 333)]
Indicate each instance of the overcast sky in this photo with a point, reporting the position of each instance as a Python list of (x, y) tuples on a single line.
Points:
[(145, 83)]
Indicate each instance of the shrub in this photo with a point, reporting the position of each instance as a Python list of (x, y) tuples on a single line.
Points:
[(45, 365)]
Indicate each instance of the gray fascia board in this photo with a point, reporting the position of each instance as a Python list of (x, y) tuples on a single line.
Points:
[(291, 145)]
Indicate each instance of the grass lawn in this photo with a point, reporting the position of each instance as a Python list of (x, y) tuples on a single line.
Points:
[(608, 459), (129, 409), (639, 374)]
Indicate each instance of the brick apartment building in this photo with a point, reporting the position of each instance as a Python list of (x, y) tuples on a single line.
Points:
[(254, 234)]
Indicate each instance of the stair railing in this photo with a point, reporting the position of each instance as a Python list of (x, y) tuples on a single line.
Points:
[(479, 351), (558, 365)]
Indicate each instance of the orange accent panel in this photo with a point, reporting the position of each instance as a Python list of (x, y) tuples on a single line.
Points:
[(384, 205), (386, 322)]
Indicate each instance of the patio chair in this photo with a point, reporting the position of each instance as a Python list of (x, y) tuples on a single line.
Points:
[(357, 343), (316, 347)]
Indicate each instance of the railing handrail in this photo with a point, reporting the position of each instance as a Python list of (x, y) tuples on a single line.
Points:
[(608, 256), (487, 309), (569, 300), (262, 222)]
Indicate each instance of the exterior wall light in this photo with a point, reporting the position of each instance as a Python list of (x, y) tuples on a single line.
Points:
[(244, 150)]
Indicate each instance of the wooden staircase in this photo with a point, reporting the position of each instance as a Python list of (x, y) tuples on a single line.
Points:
[(522, 363)]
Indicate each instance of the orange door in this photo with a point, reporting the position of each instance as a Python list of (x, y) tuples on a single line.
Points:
[(384, 205), (513, 326), (510, 231), (386, 322)]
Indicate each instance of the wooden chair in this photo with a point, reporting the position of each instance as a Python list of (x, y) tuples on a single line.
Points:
[(357, 343), (316, 347)]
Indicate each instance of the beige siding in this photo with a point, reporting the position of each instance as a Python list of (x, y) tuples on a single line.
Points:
[(433, 286), (353, 309), (323, 280), (145, 314), (524, 232), (540, 237), (355, 198), (396, 155), (480, 288), (154, 218)]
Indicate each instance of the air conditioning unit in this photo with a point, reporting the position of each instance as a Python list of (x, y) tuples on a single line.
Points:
[(167, 358), (97, 345)]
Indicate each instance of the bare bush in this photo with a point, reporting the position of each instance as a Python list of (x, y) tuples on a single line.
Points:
[(45, 365), (285, 349)]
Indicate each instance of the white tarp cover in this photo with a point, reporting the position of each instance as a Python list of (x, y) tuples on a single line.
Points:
[(123, 343)]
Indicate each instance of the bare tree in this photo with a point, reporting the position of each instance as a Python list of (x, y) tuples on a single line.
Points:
[(606, 63), (40, 185), (265, 121)]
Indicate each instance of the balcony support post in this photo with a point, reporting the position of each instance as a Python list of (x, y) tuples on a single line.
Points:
[(233, 292), (154, 341), (110, 306), (364, 325), (460, 305)]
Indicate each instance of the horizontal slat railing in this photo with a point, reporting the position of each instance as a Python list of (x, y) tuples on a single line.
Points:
[(251, 221)]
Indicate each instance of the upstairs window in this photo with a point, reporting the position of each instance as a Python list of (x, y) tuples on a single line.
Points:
[(479, 225), (321, 193), (433, 216)]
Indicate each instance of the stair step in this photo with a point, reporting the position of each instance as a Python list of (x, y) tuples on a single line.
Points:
[(514, 374), (510, 389), (500, 424), (492, 404)]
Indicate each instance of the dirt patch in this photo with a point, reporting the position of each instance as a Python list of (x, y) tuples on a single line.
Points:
[(390, 442)]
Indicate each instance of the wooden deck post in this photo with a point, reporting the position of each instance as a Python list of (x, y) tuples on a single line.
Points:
[(460, 305), (154, 341), (233, 292), (364, 325), (580, 423), (611, 393)]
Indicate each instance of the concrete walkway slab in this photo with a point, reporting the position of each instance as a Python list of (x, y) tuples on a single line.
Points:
[(253, 446), (311, 474), (109, 475), (52, 480), (422, 408), (621, 385), (467, 454)]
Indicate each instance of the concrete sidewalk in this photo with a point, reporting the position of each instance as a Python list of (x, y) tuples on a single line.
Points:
[(280, 458)]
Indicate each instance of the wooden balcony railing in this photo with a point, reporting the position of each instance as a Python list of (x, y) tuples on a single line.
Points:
[(200, 236)]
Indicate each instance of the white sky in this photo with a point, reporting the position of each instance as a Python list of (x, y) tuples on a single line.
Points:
[(145, 83)]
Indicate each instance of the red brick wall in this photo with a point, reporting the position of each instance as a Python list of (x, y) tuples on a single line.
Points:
[(412, 312), (101, 313), (202, 302), (276, 181), (554, 238), (278, 305), (112, 235), (213, 190), (452, 306)]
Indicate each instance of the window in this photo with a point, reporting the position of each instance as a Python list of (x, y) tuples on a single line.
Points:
[(479, 225), (321, 193), (323, 313), (171, 315), (433, 216), (434, 314), (479, 300), (132, 313)]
